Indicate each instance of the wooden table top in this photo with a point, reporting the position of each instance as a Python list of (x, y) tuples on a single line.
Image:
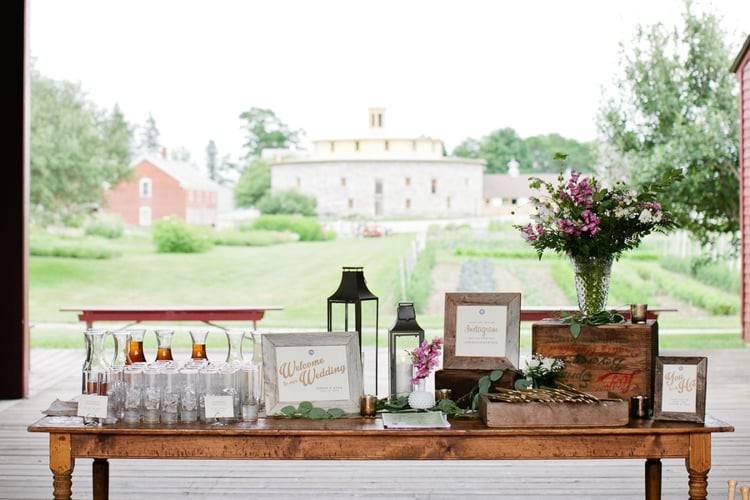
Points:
[(358, 426)]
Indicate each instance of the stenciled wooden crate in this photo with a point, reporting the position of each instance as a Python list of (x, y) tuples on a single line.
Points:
[(606, 413), (614, 358)]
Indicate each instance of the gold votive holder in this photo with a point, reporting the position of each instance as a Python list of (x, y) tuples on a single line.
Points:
[(368, 405), (638, 313), (639, 407), (441, 394)]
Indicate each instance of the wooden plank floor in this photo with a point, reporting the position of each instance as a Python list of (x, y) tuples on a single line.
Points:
[(24, 472)]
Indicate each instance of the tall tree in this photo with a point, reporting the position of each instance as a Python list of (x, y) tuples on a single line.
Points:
[(265, 130), (542, 148), (76, 148), (212, 161), (254, 183), (675, 105), (497, 149), (150, 136), (180, 154)]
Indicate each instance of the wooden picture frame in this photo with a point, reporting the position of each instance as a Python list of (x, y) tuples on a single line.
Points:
[(463, 349), (289, 358), (665, 404)]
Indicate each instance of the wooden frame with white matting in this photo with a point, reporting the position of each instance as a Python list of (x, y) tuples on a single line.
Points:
[(271, 342), (512, 330), (700, 391)]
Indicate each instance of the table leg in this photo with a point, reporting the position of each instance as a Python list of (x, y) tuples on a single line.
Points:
[(61, 463), (653, 479), (100, 476), (698, 464)]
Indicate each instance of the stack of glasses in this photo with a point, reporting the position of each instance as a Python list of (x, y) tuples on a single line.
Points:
[(169, 391)]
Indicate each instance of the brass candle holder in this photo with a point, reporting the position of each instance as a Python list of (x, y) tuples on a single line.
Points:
[(441, 394), (638, 313), (368, 406)]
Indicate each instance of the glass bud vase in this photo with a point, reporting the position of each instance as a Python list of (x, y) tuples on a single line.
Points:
[(592, 282), (420, 398), (164, 342), (258, 383)]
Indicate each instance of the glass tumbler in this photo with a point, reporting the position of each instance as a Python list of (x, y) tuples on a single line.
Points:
[(208, 376), (248, 399), (152, 386), (199, 344), (164, 341), (170, 395), (189, 395), (133, 399), (115, 395), (228, 385)]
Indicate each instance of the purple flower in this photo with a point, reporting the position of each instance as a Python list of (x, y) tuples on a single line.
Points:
[(528, 233), (590, 222), (426, 358), (580, 191), (568, 227)]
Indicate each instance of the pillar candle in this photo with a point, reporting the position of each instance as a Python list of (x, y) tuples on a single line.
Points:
[(404, 372)]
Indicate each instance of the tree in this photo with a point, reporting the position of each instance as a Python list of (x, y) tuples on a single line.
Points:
[(266, 131), (254, 183), (582, 156), (212, 161), (289, 202), (76, 148), (676, 106), (497, 149), (150, 137), (180, 154)]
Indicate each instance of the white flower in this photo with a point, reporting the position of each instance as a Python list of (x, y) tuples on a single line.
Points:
[(645, 216), (657, 216), (533, 363), (548, 363)]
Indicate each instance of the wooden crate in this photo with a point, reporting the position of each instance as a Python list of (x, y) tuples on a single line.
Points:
[(615, 358), (607, 413), (461, 382)]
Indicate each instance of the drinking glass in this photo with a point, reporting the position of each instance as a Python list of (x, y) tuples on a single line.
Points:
[(170, 394), (95, 383), (228, 387), (135, 352), (152, 386), (189, 395), (114, 395), (207, 375), (164, 342), (199, 344), (133, 400), (248, 399), (258, 363)]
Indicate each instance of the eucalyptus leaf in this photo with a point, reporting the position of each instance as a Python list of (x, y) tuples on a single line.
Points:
[(496, 375), (289, 411), (336, 412), (475, 402), (484, 385), (318, 414), (305, 407), (522, 384), (575, 330)]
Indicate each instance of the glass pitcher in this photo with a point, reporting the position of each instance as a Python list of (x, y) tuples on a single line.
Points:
[(164, 342), (199, 344), (235, 338), (95, 369), (135, 352), (122, 348)]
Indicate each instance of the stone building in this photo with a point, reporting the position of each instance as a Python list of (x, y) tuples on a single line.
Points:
[(376, 175)]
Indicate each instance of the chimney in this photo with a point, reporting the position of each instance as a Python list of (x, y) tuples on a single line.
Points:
[(164, 153), (376, 117)]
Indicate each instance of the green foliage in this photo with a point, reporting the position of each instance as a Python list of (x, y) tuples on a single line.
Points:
[(76, 148), (71, 251), (307, 410), (171, 235), (212, 162), (256, 238), (713, 273), (254, 183), (109, 226), (287, 202), (419, 282), (149, 141), (675, 105), (582, 156), (497, 149), (265, 130), (181, 154), (308, 228), (577, 320)]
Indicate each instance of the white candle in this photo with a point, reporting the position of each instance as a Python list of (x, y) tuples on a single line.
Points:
[(404, 370)]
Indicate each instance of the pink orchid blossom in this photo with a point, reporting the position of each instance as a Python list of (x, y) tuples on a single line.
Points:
[(426, 358)]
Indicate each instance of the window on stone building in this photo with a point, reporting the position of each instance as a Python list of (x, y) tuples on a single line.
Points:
[(448, 202), (407, 181), (333, 146), (433, 186), (343, 182), (299, 182), (386, 145), (144, 187), (350, 203), (356, 145), (408, 203)]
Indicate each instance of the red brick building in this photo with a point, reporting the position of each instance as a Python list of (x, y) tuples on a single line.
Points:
[(161, 188), (741, 68)]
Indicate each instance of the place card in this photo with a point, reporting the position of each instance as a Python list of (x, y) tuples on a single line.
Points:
[(680, 388), (92, 405), (219, 406)]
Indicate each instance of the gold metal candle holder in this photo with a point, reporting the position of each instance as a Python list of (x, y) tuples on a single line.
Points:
[(441, 394), (638, 313), (368, 406)]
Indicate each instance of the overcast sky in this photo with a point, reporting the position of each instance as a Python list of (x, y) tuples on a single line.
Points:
[(446, 69)]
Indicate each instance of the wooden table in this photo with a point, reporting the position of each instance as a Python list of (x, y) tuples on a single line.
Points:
[(137, 314), (366, 439)]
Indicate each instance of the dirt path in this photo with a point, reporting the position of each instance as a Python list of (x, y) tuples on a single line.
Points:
[(444, 279)]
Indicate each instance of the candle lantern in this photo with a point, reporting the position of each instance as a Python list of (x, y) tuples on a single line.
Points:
[(353, 290), (405, 327)]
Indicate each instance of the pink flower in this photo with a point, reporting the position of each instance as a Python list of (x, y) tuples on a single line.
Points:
[(528, 233), (579, 191), (568, 227), (590, 222), (426, 358)]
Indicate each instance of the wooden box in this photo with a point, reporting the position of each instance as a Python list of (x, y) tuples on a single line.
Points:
[(461, 382), (615, 358), (607, 413)]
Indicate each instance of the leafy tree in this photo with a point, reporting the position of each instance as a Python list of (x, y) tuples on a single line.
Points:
[(265, 130), (676, 106), (254, 183), (180, 154), (212, 161), (581, 156), (289, 202), (497, 149), (150, 136), (76, 148)]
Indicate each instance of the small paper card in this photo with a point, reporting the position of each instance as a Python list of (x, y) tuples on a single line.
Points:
[(481, 330), (92, 405), (428, 420), (679, 388), (219, 407)]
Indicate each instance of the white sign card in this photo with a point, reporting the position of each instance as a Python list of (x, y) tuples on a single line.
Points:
[(481, 330), (92, 405), (219, 406), (679, 388), (312, 373)]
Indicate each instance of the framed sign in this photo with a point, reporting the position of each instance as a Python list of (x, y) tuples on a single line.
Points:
[(680, 392), (323, 368), (482, 330)]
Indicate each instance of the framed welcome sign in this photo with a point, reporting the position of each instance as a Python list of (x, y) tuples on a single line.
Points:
[(323, 368), (482, 330), (680, 389)]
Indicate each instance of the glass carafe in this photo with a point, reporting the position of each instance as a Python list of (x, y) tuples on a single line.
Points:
[(122, 347), (164, 341), (199, 344), (95, 368), (135, 352), (235, 338)]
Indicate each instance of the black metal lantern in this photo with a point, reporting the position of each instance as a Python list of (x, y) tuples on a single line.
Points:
[(353, 290), (405, 326)]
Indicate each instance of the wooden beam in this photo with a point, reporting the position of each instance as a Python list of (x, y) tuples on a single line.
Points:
[(14, 337)]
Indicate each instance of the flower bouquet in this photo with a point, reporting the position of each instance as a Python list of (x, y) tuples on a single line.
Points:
[(593, 225)]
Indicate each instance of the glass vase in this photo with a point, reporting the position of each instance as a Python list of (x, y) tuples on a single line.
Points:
[(164, 342), (135, 352), (122, 347), (95, 368), (258, 381), (592, 282), (234, 339), (198, 338), (420, 398)]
